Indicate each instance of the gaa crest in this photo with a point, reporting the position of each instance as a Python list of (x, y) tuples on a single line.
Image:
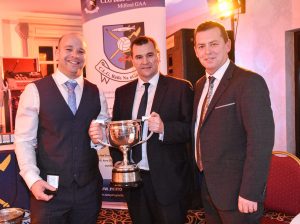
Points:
[(117, 40)]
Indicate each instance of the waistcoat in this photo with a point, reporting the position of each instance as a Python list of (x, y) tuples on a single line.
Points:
[(63, 143)]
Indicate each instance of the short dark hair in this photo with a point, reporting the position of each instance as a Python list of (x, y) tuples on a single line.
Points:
[(210, 25), (143, 40)]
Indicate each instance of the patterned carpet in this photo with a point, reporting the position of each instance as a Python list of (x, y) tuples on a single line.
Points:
[(119, 216), (276, 218)]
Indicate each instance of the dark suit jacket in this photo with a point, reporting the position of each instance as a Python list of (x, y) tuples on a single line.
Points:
[(237, 137), (168, 160)]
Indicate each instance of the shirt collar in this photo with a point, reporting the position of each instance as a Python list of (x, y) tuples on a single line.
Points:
[(220, 72), (61, 78), (153, 81)]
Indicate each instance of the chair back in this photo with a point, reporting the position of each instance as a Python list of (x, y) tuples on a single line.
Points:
[(283, 184)]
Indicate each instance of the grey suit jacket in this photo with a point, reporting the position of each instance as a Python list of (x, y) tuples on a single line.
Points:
[(168, 159), (237, 137)]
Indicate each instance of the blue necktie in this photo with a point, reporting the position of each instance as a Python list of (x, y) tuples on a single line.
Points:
[(71, 84)]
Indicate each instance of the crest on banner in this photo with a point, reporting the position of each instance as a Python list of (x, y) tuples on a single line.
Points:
[(117, 65), (117, 40)]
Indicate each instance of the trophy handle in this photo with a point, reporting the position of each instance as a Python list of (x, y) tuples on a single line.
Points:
[(144, 118), (104, 143), (142, 141), (102, 122)]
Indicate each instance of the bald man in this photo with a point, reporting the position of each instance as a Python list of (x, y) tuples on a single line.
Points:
[(52, 142)]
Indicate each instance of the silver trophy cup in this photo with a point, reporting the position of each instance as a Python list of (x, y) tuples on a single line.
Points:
[(124, 135)]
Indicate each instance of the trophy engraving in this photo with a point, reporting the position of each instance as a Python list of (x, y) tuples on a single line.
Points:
[(124, 135)]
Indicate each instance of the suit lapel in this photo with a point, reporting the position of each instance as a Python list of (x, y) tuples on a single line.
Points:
[(198, 93), (160, 92), (220, 90)]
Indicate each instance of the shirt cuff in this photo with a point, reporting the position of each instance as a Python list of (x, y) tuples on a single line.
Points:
[(161, 137), (97, 147), (31, 178)]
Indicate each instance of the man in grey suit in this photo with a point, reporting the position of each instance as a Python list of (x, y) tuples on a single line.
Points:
[(233, 132)]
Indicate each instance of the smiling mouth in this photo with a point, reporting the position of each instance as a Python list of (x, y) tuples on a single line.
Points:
[(145, 68), (209, 59), (74, 62)]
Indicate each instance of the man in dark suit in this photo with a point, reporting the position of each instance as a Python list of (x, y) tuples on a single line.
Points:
[(233, 132), (52, 141), (164, 165)]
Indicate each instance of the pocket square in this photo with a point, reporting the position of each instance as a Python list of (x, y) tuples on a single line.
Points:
[(225, 105)]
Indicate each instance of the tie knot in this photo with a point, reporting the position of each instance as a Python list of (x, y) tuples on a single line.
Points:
[(211, 79), (71, 85), (146, 84)]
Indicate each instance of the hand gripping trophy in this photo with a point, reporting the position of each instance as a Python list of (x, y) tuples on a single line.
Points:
[(124, 135)]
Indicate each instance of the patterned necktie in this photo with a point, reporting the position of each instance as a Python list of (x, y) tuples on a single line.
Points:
[(71, 84), (137, 152), (203, 113), (207, 98)]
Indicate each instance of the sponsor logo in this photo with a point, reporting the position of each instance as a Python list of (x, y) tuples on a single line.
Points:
[(4, 164)]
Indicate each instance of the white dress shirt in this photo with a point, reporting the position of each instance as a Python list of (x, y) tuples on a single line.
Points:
[(218, 75), (143, 164), (27, 123)]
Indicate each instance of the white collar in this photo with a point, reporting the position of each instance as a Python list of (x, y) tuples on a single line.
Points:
[(220, 72), (153, 81), (61, 78)]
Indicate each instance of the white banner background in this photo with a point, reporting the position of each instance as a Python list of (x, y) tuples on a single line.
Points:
[(154, 19)]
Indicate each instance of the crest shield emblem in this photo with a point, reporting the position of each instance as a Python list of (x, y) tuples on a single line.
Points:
[(117, 40)]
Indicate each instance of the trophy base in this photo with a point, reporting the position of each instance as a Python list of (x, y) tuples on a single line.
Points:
[(125, 185), (126, 177)]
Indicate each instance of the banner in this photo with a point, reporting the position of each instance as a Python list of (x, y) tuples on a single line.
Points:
[(109, 27), (13, 190)]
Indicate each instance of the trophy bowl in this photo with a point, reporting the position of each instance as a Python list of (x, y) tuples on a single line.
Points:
[(124, 135), (127, 132)]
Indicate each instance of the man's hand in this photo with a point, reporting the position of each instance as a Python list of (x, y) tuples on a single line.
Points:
[(155, 124), (95, 132), (246, 206), (38, 189)]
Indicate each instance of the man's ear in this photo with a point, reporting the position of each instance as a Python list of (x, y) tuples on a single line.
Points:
[(158, 55), (57, 52), (228, 45), (195, 52)]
